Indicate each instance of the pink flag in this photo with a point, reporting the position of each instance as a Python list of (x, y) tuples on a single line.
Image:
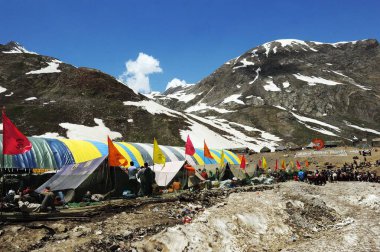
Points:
[(298, 165), (189, 147)]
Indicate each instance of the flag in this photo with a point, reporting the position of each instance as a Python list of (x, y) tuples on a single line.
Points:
[(222, 159), (307, 163), (291, 164), (298, 165), (264, 163), (206, 151), (243, 162), (115, 158), (158, 155), (283, 165), (276, 167), (14, 142), (259, 163), (189, 147)]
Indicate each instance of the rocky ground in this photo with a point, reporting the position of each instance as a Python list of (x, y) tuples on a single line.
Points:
[(290, 216)]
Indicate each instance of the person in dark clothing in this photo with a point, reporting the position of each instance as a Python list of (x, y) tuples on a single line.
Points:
[(147, 179)]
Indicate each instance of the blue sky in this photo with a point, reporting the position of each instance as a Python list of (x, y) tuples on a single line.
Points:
[(190, 39)]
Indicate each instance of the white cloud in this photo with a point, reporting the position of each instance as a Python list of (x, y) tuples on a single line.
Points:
[(177, 83), (136, 75)]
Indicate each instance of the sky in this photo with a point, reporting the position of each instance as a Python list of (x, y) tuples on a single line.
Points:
[(148, 44)]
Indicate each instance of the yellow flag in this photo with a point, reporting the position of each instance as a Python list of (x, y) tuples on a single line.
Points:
[(265, 166), (222, 159), (158, 155), (291, 164)]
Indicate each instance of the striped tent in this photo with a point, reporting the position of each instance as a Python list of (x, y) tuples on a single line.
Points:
[(55, 153)]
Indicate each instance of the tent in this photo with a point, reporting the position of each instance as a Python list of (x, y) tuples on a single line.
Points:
[(56, 153), (280, 148), (76, 179)]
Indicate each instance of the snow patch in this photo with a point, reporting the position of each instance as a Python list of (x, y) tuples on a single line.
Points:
[(152, 107), (362, 129), (178, 83), (51, 68), (312, 81), (202, 107), (233, 98), (96, 133), (31, 98), (10, 94), (271, 86), (245, 63), (286, 84), (257, 75), (280, 107), (2, 89), (130, 120), (49, 135), (311, 120)]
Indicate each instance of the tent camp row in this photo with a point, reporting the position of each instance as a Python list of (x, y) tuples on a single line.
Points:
[(80, 164)]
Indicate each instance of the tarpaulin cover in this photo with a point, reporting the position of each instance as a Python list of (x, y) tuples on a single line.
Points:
[(56, 153), (72, 176)]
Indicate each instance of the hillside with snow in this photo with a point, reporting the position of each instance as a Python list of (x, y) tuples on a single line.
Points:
[(281, 92), (292, 89)]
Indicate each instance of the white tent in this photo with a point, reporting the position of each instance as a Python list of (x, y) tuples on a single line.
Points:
[(164, 175)]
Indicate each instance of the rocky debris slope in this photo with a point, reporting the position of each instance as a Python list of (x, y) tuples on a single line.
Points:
[(292, 89), (293, 217)]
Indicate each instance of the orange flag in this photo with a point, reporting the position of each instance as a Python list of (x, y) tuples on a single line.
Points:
[(283, 164), (307, 163), (115, 158), (206, 151)]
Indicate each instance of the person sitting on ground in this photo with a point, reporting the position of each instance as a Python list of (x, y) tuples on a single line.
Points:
[(9, 198), (87, 197), (176, 185), (27, 207), (48, 200), (100, 197)]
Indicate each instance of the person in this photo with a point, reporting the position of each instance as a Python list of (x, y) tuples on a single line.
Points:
[(141, 176), (301, 175), (48, 200), (204, 174), (217, 173), (87, 197), (150, 178), (176, 185), (132, 174)]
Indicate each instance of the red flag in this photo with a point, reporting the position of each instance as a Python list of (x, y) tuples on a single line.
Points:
[(14, 142), (206, 151), (243, 162), (115, 158), (318, 144), (259, 162), (276, 167), (189, 147), (298, 165)]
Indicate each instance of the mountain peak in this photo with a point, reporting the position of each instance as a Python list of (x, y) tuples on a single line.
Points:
[(14, 47)]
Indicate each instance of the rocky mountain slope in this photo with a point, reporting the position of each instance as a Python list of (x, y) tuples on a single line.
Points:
[(295, 90), (45, 96)]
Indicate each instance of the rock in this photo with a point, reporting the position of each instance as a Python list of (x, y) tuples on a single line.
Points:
[(80, 231), (98, 232), (59, 228), (126, 233), (61, 236)]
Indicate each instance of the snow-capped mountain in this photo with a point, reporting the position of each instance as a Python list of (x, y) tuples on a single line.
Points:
[(293, 90), (285, 91)]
